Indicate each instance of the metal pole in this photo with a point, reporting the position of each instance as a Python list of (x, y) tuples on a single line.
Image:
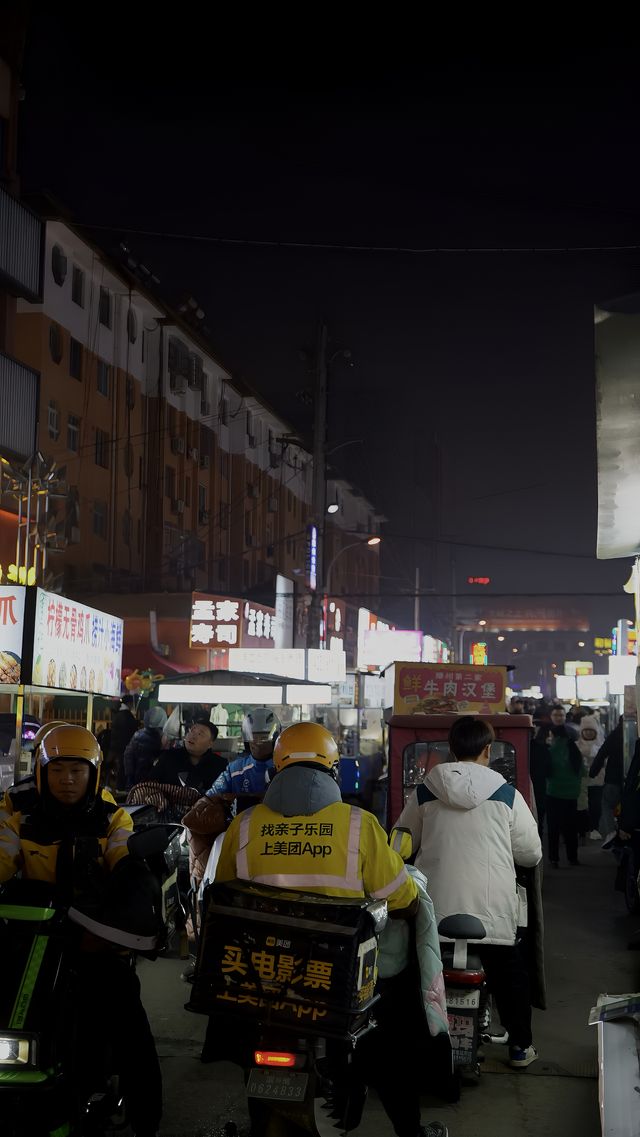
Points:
[(416, 601), (319, 486)]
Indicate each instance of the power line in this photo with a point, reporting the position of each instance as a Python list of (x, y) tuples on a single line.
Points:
[(464, 250)]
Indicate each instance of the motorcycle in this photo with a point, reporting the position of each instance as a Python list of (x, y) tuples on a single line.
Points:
[(468, 999), (40, 1041), (288, 981)]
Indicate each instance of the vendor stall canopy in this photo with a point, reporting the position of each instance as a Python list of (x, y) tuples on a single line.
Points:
[(235, 687)]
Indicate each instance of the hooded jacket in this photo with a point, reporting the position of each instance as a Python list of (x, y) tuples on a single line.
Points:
[(470, 829)]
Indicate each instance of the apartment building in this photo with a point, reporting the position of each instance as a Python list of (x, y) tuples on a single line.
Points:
[(174, 475)]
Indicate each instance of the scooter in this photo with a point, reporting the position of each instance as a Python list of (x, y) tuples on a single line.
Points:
[(288, 980), (468, 1000), (39, 947)]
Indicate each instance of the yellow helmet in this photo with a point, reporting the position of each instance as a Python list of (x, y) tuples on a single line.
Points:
[(61, 740), (44, 730), (306, 742)]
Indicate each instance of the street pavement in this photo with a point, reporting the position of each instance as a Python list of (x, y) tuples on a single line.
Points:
[(587, 930)]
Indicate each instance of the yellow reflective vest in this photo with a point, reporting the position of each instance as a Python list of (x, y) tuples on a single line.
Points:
[(339, 851), (20, 850)]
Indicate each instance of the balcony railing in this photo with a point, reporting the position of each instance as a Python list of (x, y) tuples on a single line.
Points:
[(21, 235), (19, 402)]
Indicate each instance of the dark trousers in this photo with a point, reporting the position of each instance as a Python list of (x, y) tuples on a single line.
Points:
[(508, 982), (386, 1060), (121, 1029), (595, 806), (562, 820)]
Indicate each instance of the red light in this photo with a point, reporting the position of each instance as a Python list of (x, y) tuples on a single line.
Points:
[(273, 1058), (478, 580), (464, 978)]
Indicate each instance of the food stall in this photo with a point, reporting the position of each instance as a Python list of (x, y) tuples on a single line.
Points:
[(53, 648)]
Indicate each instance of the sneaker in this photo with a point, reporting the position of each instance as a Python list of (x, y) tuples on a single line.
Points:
[(595, 836), (520, 1059), (433, 1129)]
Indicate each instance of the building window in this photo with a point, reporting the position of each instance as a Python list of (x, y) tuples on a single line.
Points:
[(77, 286), (102, 449), (202, 498), (75, 359), (170, 482), (55, 342), (104, 378), (130, 393), (100, 519), (58, 265), (104, 307), (73, 433), (132, 325), (53, 420)]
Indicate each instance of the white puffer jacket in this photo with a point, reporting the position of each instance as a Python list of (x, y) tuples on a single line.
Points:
[(470, 828)]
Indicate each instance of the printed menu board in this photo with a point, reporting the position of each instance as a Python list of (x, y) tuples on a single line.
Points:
[(75, 647)]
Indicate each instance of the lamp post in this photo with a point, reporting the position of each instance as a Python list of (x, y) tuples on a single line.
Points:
[(372, 542)]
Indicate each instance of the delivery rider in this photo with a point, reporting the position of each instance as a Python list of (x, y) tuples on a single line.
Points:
[(69, 834), (303, 836)]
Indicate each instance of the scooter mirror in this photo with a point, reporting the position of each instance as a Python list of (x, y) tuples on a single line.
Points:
[(401, 842)]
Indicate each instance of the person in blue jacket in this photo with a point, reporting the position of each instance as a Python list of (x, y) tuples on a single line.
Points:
[(253, 770)]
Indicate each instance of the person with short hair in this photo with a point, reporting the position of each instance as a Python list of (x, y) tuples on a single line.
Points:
[(564, 783), (144, 748), (470, 829), (192, 762)]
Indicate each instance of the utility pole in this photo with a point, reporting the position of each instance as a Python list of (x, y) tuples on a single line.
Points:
[(319, 488), (416, 601)]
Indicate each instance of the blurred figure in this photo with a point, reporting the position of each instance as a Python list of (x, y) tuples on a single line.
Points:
[(590, 740), (564, 781), (610, 757), (145, 748), (516, 705), (124, 725), (538, 768)]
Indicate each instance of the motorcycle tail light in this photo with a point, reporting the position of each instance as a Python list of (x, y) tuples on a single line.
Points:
[(464, 978), (274, 1058)]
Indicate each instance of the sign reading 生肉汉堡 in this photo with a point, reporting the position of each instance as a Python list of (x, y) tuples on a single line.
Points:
[(75, 647), (439, 688)]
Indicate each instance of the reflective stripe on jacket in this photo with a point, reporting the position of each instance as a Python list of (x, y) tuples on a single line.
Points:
[(339, 851)]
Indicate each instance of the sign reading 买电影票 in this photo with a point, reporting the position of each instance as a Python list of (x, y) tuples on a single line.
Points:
[(11, 631), (218, 621), (75, 647)]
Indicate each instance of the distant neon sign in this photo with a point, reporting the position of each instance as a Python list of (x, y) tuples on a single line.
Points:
[(478, 580), (478, 655)]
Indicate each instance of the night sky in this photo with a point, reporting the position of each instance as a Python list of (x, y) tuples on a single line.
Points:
[(343, 142)]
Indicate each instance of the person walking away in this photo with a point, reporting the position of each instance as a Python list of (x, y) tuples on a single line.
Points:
[(145, 748), (470, 830), (589, 742), (358, 862), (610, 757), (564, 783), (124, 725)]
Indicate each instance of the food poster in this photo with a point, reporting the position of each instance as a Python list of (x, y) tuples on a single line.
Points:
[(12, 599), (448, 688), (75, 647)]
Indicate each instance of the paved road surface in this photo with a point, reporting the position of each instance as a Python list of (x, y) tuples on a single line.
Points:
[(587, 933)]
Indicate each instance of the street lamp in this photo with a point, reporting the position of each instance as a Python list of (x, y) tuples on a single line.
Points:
[(500, 639), (371, 542), (333, 508), (580, 643), (482, 623)]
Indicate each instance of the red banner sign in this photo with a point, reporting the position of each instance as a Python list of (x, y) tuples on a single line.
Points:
[(437, 688)]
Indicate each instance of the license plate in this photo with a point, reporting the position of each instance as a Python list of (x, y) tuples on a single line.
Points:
[(277, 1085), (467, 999)]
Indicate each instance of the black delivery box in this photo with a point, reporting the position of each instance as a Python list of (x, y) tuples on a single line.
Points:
[(287, 958)]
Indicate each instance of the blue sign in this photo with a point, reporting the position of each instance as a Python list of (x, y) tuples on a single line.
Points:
[(312, 557)]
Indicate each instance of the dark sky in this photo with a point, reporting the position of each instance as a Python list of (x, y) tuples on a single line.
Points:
[(177, 129)]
